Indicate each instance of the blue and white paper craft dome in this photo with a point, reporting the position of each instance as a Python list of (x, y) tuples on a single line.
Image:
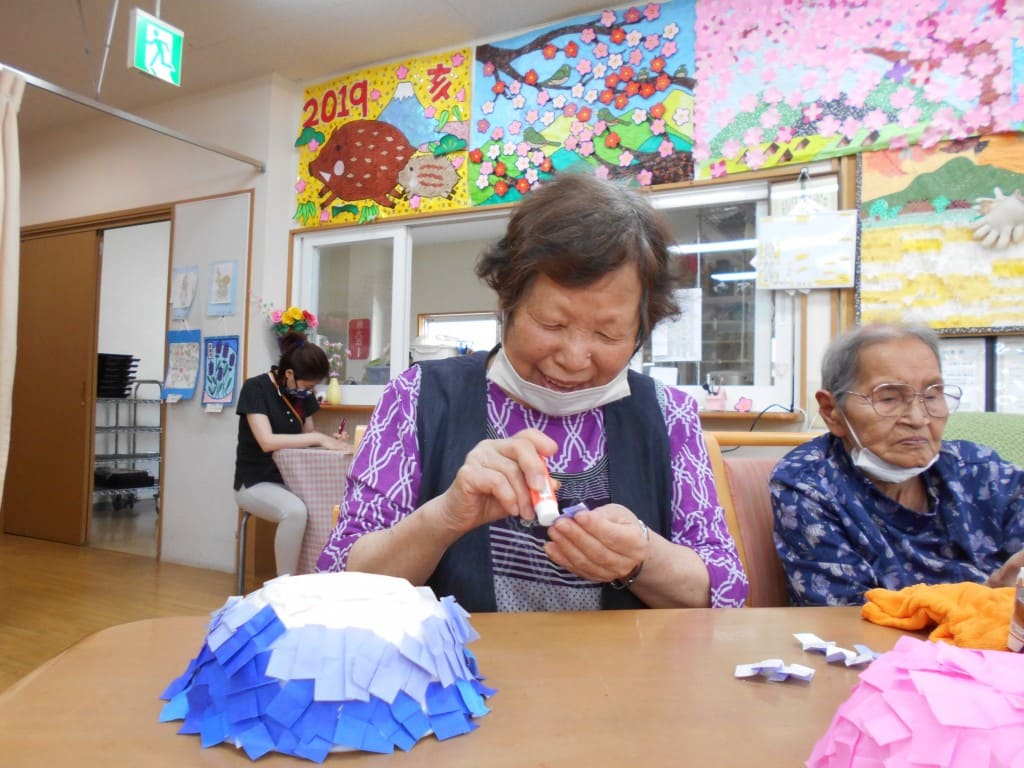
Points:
[(328, 662)]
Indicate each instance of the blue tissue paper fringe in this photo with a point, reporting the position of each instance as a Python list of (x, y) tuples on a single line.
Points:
[(330, 688)]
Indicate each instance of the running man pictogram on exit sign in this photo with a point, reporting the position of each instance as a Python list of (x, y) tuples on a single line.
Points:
[(155, 47)]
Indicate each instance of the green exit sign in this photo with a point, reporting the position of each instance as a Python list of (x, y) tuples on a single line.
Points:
[(155, 47)]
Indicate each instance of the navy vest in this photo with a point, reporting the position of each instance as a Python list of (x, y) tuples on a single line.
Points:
[(452, 419)]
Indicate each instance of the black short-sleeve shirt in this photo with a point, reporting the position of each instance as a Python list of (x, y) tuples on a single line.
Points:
[(260, 395)]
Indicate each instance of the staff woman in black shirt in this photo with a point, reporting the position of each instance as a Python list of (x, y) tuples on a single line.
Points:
[(275, 410)]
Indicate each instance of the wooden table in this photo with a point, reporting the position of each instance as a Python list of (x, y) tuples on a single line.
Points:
[(317, 476), (616, 688)]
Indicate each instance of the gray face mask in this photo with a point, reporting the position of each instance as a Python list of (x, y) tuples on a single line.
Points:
[(550, 401), (876, 467)]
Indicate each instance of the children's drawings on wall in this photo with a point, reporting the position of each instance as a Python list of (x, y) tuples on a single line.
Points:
[(920, 258), (220, 369), (182, 364), (223, 287), (385, 141), (610, 92), (184, 281)]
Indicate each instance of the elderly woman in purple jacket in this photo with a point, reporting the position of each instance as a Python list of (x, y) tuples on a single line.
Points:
[(440, 489)]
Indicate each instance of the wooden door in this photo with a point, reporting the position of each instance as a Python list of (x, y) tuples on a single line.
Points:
[(48, 490)]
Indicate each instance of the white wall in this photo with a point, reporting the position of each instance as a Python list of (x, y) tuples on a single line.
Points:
[(198, 509), (822, 326), (443, 280), (103, 165), (133, 296), (133, 312)]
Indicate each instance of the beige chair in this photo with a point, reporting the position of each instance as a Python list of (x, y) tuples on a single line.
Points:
[(742, 484)]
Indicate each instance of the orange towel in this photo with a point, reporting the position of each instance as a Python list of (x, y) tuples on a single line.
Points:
[(967, 614)]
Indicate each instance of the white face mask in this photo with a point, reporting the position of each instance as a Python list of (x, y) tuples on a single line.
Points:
[(878, 468), (550, 401)]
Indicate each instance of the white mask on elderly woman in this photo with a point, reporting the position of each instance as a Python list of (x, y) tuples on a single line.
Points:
[(878, 468), (551, 401)]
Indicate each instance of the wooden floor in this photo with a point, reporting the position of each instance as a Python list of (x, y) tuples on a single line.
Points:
[(53, 595), (133, 531)]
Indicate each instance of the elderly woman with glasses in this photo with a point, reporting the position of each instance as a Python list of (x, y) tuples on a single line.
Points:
[(880, 500)]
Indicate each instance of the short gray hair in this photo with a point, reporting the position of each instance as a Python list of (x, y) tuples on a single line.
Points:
[(840, 368)]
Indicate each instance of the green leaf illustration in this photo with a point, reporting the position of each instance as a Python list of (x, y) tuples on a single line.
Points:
[(309, 134), (449, 144)]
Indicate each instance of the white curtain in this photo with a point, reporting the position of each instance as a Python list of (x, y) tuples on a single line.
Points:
[(12, 86)]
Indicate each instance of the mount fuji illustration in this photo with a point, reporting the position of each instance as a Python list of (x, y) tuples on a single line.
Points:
[(406, 113)]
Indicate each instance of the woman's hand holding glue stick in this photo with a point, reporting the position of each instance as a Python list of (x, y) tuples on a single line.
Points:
[(545, 505)]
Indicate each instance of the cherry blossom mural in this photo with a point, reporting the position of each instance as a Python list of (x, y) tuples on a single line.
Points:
[(610, 92), (798, 80)]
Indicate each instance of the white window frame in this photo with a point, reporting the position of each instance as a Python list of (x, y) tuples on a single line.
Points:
[(777, 364)]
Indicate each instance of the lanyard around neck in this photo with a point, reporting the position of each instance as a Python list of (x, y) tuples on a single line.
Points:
[(291, 407)]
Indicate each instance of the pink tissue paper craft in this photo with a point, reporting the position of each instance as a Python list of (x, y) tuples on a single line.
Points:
[(927, 703)]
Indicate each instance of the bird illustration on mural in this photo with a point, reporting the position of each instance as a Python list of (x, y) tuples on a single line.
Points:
[(559, 77), (535, 138)]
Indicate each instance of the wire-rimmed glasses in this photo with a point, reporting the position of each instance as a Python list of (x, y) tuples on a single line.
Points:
[(888, 400)]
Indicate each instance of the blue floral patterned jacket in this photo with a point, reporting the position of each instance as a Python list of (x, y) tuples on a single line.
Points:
[(838, 535)]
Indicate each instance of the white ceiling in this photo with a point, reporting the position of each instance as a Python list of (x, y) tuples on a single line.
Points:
[(228, 41)]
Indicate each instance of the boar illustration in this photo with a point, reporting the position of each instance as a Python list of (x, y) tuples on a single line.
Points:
[(428, 176), (361, 161)]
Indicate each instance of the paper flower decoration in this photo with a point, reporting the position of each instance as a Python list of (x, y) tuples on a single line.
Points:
[(292, 319), (927, 703), (329, 662)]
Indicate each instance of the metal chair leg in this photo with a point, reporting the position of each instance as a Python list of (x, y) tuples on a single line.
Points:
[(243, 524)]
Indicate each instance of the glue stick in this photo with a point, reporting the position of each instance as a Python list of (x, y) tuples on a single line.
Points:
[(544, 503), (1015, 642)]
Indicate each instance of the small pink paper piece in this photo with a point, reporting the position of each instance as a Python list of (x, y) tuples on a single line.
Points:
[(926, 703)]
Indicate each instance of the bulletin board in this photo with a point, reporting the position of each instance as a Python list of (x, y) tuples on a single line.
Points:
[(924, 254), (965, 364), (1009, 395), (806, 242)]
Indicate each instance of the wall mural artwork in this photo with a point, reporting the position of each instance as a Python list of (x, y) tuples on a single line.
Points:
[(611, 92), (942, 235), (792, 82), (385, 141)]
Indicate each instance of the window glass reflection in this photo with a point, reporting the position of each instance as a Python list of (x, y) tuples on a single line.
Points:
[(354, 297), (715, 340)]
